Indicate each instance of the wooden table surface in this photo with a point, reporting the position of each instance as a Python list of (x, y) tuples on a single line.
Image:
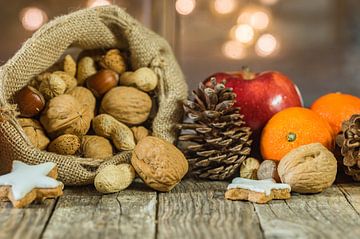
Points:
[(194, 209)]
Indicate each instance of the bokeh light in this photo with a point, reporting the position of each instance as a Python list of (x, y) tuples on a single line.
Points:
[(243, 33), (224, 6), (266, 45), (185, 7), (269, 2), (234, 50), (97, 3), (256, 16), (32, 18), (259, 20)]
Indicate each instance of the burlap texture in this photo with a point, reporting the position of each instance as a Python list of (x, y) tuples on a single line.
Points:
[(102, 27)]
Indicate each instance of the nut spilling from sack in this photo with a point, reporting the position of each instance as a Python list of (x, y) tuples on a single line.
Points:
[(94, 108)]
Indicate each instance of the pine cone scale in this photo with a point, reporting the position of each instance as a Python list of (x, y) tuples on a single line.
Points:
[(220, 140)]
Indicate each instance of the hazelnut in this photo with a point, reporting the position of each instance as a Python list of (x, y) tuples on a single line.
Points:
[(30, 101), (267, 170), (159, 163), (102, 82), (249, 168)]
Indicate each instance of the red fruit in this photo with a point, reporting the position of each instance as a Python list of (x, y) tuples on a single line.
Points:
[(260, 95)]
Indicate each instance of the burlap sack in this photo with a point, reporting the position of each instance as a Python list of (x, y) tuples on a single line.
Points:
[(102, 27)]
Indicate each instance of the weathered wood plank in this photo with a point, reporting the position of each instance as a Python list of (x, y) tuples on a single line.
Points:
[(25, 222), (352, 193), (324, 215), (84, 213), (198, 210)]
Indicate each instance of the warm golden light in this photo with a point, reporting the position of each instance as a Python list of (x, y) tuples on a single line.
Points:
[(266, 45), (256, 16), (185, 7), (32, 18), (243, 33), (224, 6), (97, 3), (234, 50), (259, 20), (269, 2)]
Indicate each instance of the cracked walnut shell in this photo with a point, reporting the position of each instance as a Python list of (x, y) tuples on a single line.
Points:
[(65, 115), (35, 132), (309, 168), (159, 163)]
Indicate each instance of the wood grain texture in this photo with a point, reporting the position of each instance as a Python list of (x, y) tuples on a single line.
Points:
[(25, 222), (325, 215), (84, 213), (196, 209)]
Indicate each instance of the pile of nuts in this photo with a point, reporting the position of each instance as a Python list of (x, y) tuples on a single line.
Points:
[(96, 107), (309, 168)]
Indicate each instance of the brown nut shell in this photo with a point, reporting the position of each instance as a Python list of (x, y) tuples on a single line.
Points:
[(66, 144), (309, 168), (35, 132), (160, 164), (249, 168), (139, 132), (113, 60), (114, 178), (30, 101), (127, 104), (267, 170), (65, 115), (102, 82), (85, 97), (93, 146)]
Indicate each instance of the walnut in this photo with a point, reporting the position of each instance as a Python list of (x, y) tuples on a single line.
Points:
[(35, 132), (52, 86), (93, 146), (66, 144), (65, 115), (308, 169), (249, 168), (160, 164), (127, 104), (84, 96), (69, 80)]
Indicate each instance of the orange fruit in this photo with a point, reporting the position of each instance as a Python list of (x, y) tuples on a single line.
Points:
[(292, 128), (335, 108)]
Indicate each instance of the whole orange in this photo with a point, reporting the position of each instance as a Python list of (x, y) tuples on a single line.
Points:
[(292, 128), (336, 108)]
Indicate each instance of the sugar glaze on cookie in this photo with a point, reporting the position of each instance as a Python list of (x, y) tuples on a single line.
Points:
[(24, 178), (260, 186)]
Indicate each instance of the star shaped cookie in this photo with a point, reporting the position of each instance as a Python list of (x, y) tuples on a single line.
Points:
[(27, 183), (259, 191)]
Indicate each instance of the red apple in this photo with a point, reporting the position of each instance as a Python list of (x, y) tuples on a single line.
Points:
[(260, 95)]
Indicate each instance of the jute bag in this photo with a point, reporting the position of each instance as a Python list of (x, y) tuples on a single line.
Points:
[(102, 27)]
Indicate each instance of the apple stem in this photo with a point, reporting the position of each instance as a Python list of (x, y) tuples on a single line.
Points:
[(291, 137), (247, 74)]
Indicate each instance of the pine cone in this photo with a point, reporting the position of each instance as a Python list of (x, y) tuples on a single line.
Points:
[(349, 141), (218, 140)]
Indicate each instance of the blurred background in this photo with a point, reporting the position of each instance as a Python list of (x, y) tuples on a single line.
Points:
[(315, 43)]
